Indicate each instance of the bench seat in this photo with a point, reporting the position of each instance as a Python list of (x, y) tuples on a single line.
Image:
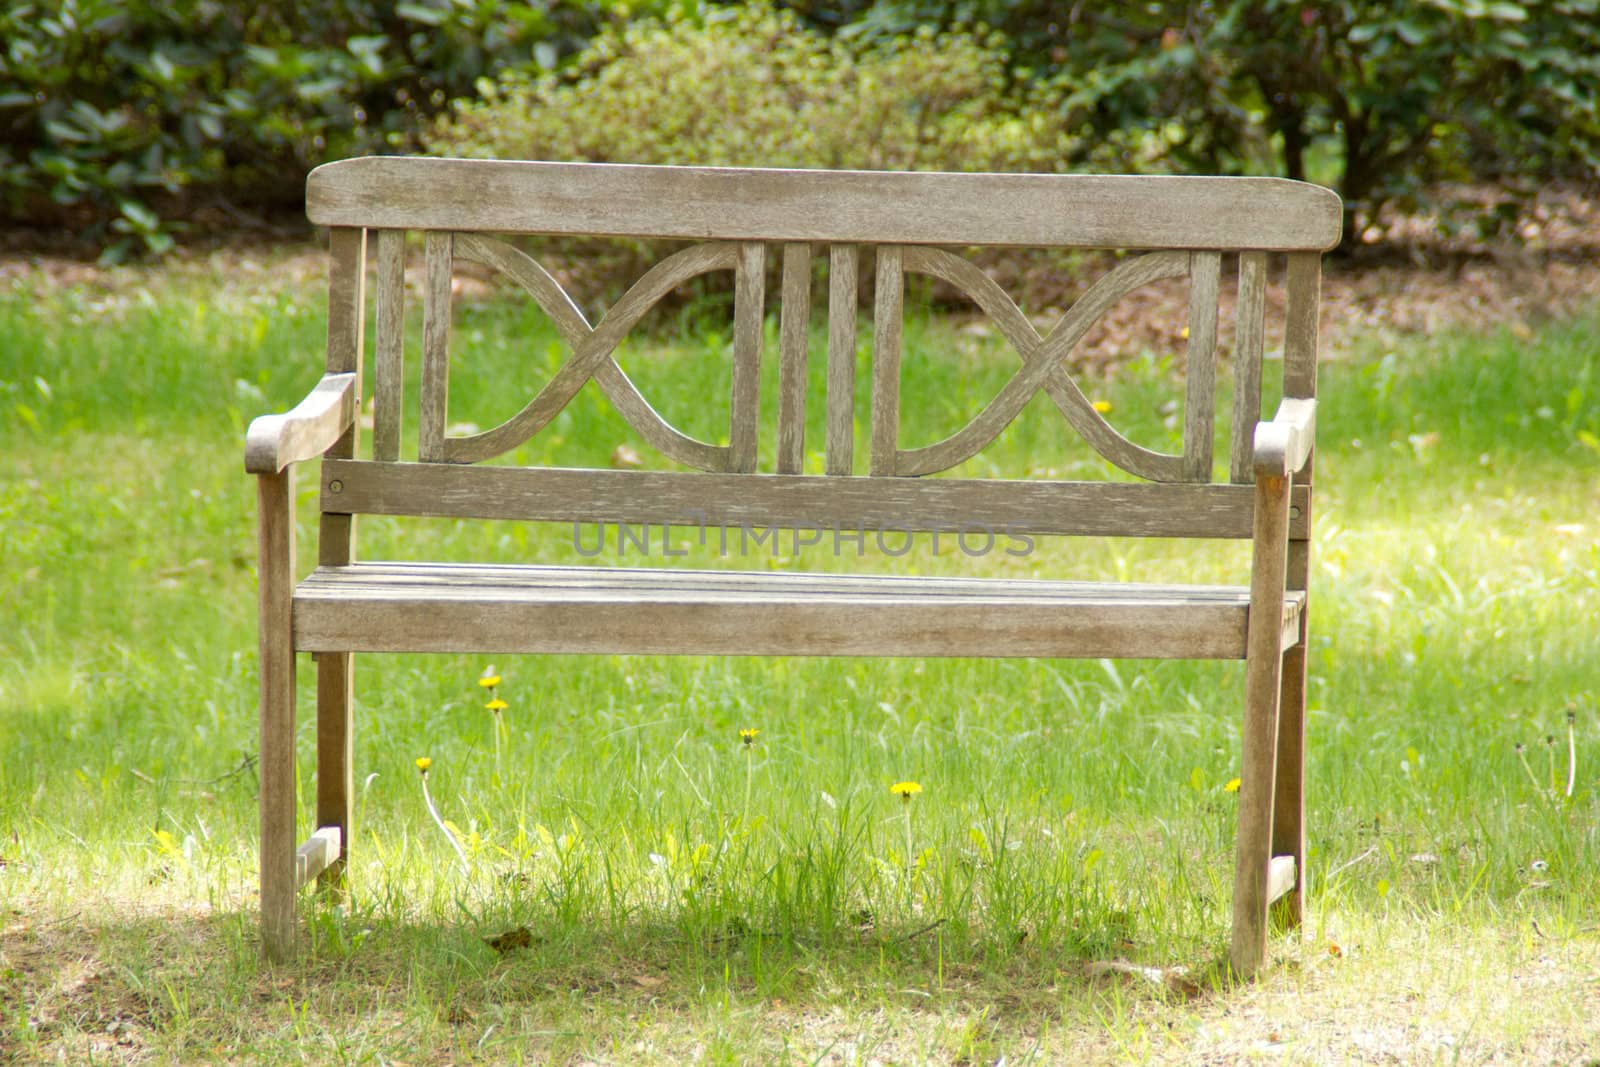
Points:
[(441, 607)]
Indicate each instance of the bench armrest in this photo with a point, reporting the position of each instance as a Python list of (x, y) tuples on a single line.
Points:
[(1283, 445), (275, 441)]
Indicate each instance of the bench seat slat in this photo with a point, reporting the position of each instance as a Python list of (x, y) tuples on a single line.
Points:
[(427, 607)]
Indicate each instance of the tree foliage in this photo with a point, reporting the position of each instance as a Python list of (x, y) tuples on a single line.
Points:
[(119, 111), (1380, 98)]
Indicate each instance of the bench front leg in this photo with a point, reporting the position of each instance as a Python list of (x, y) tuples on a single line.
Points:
[(1281, 448), (275, 494)]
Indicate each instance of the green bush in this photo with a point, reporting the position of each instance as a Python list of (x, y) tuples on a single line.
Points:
[(118, 114), (1384, 100), (751, 87)]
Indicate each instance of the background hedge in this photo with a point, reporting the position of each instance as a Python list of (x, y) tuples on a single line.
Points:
[(119, 116), (123, 117)]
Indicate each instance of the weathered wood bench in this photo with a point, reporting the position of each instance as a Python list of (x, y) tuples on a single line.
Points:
[(1173, 228)]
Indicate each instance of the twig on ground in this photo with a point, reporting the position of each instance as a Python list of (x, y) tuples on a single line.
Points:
[(1346, 866), (246, 764), (913, 935)]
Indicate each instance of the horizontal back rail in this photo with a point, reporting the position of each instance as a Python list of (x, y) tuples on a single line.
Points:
[(816, 502), (714, 203)]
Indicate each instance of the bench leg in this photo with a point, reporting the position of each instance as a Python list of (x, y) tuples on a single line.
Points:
[(1256, 789), (276, 532), (335, 783), (1289, 803), (1259, 758)]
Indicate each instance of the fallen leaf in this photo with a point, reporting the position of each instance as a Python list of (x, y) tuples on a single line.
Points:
[(1173, 979)]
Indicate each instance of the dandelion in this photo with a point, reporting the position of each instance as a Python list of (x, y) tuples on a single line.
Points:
[(1102, 406), (490, 680), (423, 763), (1522, 756), (496, 706), (1232, 786), (905, 791), (1572, 750), (748, 736)]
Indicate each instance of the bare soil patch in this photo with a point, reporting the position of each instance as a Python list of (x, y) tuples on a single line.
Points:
[(1413, 279)]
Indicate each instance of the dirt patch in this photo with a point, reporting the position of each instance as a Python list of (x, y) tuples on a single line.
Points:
[(59, 994), (1414, 279)]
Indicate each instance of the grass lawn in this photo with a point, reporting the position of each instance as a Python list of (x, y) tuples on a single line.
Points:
[(1058, 892)]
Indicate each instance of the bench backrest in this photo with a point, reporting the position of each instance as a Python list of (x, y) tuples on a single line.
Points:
[(1176, 228)]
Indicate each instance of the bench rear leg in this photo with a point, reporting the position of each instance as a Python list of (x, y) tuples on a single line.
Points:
[(276, 532), (335, 739), (1289, 803)]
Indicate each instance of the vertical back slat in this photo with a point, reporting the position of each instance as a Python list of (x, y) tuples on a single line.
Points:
[(347, 283), (1300, 324), (794, 324), (389, 356), (1249, 324), (347, 286), (748, 304), (435, 348), (888, 300), (841, 359), (1200, 401)]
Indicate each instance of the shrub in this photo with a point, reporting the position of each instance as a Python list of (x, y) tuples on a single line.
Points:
[(751, 87), (126, 112)]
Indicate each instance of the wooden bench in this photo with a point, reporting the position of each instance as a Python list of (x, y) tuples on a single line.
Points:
[(1171, 228)]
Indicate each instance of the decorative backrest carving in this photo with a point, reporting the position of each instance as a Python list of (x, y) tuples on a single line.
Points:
[(1178, 228)]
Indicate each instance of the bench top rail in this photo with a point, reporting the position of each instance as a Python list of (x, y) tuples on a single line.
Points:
[(881, 207)]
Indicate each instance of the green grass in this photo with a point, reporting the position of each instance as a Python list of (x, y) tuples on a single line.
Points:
[(1072, 811)]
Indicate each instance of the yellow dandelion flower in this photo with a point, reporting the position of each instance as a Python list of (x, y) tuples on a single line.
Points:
[(905, 790), (1232, 786), (1102, 406), (748, 735), (1184, 333), (489, 681), (497, 705), (423, 763)]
